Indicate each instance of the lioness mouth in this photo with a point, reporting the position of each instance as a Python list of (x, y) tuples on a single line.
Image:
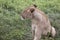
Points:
[(22, 18)]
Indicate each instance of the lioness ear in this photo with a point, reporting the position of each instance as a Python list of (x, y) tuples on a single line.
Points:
[(32, 10), (34, 5)]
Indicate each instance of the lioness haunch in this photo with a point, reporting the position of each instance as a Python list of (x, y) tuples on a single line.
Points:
[(39, 22)]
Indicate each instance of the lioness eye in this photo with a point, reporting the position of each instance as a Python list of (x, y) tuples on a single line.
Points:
[(30, 14)]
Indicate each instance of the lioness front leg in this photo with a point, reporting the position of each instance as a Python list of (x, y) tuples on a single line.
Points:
[(33, 31), (37, 34)]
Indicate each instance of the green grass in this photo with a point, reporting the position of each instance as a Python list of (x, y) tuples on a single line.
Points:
[(13, 28)]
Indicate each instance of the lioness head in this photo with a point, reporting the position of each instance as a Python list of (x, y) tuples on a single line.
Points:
[(28, 12)]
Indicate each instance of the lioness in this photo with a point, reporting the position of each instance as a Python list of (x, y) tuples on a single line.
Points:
[(39, 21)]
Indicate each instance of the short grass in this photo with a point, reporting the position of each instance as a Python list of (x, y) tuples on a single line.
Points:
[(13, 28)]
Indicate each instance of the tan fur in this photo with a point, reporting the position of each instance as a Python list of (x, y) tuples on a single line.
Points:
[(40, 22), (53, 32)]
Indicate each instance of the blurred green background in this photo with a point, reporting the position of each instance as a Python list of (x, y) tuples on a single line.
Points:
[(13, 28)]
